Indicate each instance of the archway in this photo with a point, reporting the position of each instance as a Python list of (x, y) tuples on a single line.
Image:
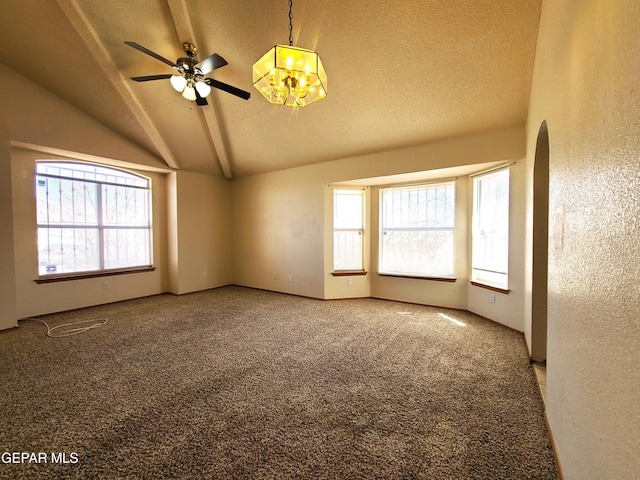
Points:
[(540, 246)]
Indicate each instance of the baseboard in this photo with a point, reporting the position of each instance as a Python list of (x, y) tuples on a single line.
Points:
[(553, 447), (9, 329)]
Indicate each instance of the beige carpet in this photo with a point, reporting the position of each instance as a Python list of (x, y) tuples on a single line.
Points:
[(242, 383)]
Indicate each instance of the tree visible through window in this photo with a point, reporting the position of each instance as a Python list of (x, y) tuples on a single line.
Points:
[(417, 226), (91, 218)]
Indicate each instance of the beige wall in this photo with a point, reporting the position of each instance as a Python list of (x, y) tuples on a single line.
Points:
[(277, 224), (8, 312), (173, 264), (32, 115), (586, 85), (200, 232)]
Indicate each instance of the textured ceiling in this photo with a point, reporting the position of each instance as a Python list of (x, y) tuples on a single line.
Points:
[(400, 73)]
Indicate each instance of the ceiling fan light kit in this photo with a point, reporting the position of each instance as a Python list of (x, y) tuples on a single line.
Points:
[(291, 76)]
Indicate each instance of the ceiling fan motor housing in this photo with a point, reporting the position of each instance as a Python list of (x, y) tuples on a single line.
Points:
[(187, 65)]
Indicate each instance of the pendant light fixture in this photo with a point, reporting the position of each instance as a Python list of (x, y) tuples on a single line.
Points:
[(288, 75)]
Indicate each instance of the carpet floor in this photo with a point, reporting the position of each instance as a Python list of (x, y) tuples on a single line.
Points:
[(247, 384)]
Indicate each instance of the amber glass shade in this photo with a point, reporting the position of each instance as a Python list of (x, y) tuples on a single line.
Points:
[(290, 76)]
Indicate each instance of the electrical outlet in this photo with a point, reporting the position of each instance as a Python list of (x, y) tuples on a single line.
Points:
[(348, 281), (291, 278), (492, 298), (106, 285), (204, 274)]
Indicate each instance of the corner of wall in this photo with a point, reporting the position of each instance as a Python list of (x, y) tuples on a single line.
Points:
[(8, 312), (172, 235)]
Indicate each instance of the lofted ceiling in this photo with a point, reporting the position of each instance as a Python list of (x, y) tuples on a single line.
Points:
[(399, 73)]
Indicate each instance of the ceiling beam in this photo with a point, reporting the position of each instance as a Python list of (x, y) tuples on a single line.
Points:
[(210, 120), (89, 36), (184, 29)]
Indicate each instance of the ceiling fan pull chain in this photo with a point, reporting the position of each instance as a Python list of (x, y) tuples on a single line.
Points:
[(290, 25)]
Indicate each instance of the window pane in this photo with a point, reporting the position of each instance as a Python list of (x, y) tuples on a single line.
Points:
[(347, 211), (91, 172), (66, 202), (490, 244), (126, 248), (417, 252), (347, 250), (125, 206), (417, 227), (65, 250), (348, 222)]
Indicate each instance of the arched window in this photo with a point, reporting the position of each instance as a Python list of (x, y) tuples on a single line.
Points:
[(91, 218)]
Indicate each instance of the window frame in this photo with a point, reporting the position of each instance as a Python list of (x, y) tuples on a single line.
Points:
[(476, 276), (449, 277), (99, 225), (359, 229)]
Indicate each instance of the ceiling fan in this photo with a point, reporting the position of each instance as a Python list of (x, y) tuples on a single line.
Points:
[(191, 80)]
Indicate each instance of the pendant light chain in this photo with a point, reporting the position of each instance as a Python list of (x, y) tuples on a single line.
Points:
[(290, 25)]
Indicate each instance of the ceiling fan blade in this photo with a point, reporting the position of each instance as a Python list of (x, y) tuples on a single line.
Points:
[(151, 77), (200, 100), (210, 63), (228, 88), (150, 53)]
